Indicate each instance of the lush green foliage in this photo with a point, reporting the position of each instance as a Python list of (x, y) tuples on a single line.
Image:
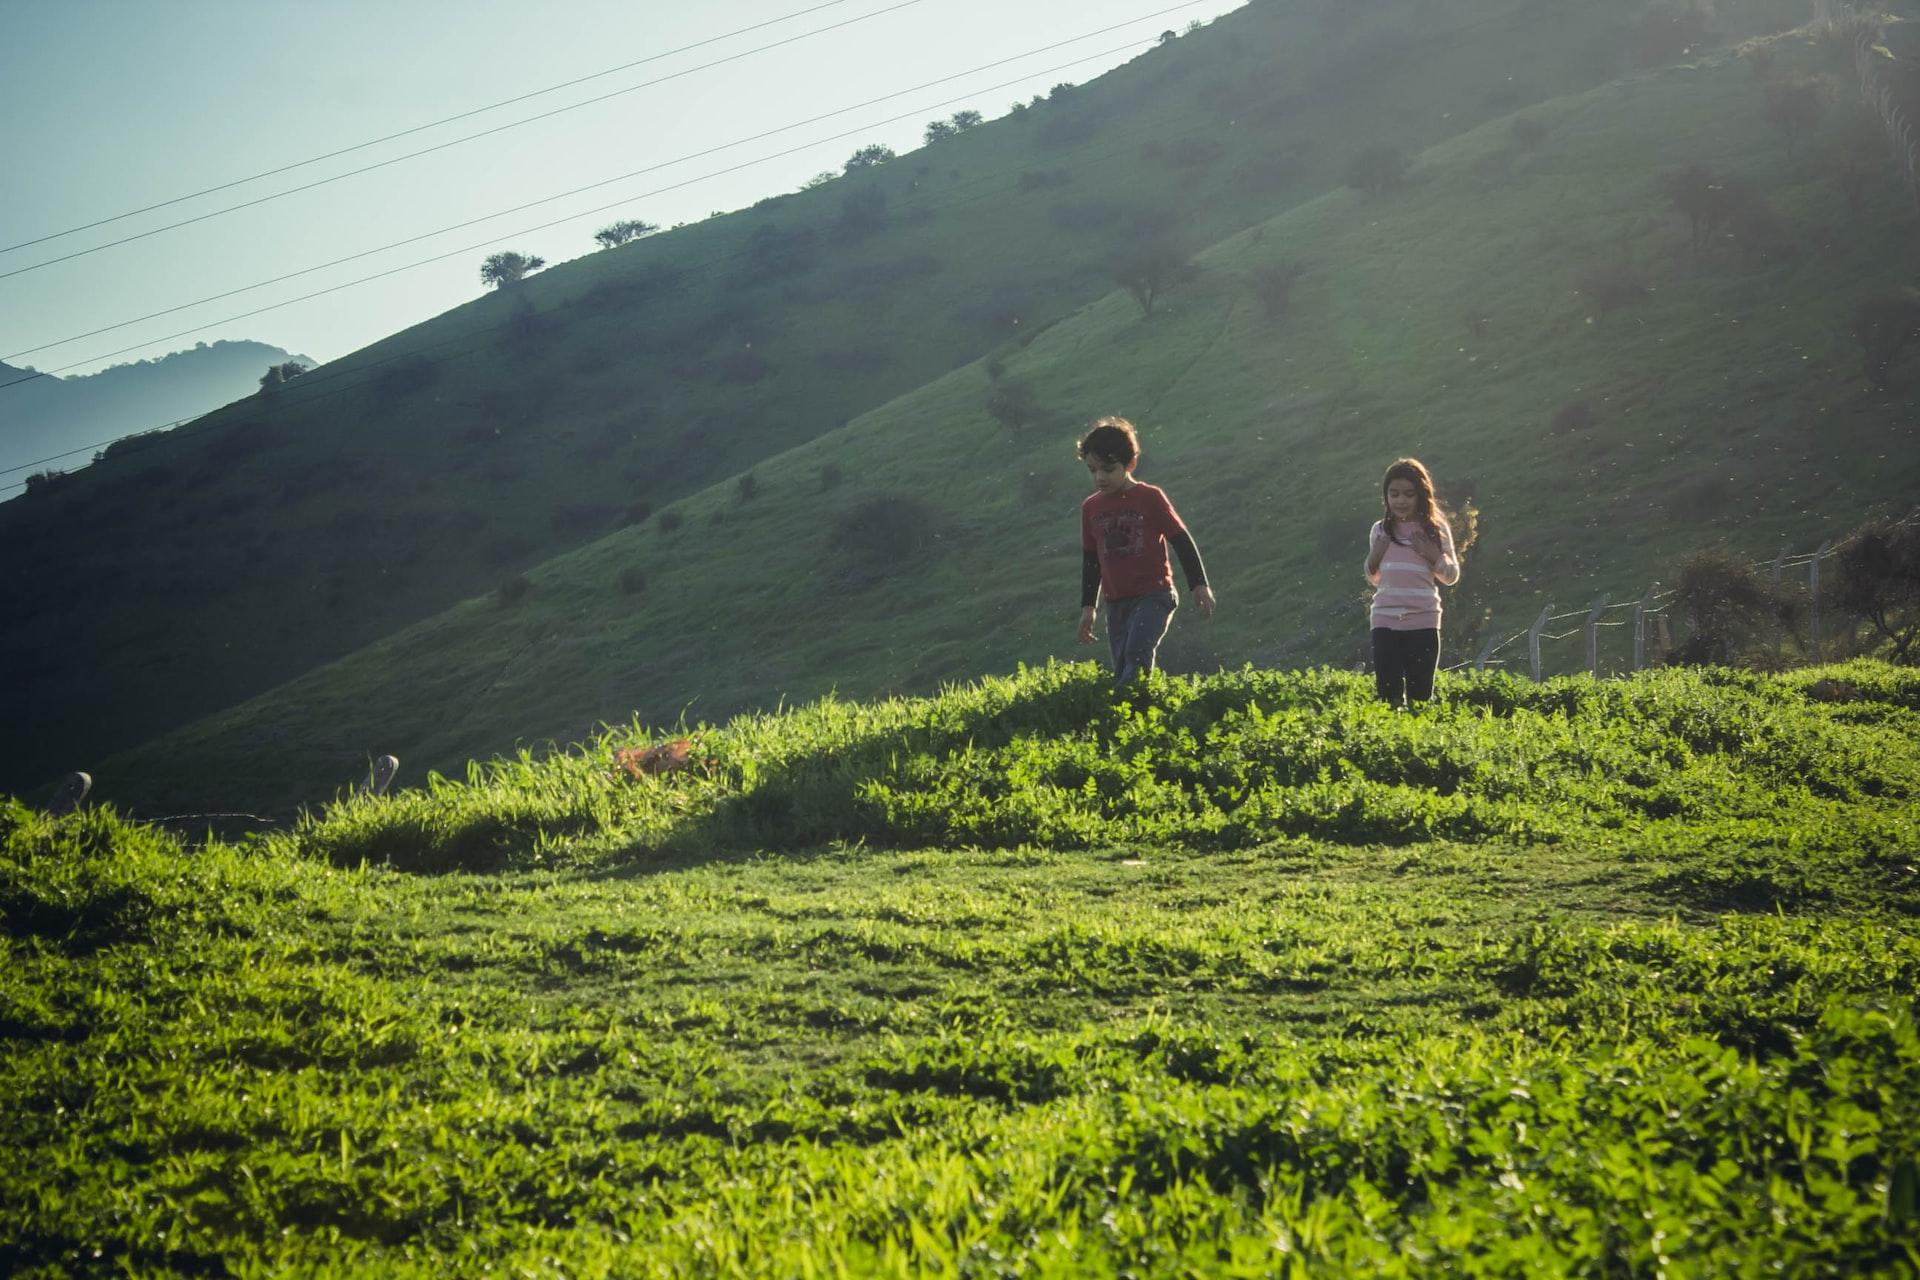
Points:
[(758, 1018)]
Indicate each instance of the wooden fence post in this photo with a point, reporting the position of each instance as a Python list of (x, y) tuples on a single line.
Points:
[(1640, 627), (1593, 635), (1533, 640), (1813, 591)]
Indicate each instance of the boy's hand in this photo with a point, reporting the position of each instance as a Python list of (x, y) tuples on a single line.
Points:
[(1086, 626), (1203, 597)]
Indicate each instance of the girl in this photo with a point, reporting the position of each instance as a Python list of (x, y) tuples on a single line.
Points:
[(1410, 551)]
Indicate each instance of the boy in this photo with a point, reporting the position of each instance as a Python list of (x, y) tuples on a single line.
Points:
[(1125, 530)]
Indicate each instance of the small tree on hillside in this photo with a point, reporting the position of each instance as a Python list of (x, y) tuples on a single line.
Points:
[(1795, 106), (965, 120), (1879, 583), (938, 131), (1703, 198), (281, 374), (1148, 269), (869, 157), (1273, 284), (1729, 605), (621, 232), (507, 268)]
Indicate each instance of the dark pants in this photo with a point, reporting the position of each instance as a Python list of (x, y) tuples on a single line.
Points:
[(1404, 663), (1135, 627)]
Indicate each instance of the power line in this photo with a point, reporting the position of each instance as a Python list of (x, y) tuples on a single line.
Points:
[(419, 128), (442, 146), (307, 382), (625, 200), (664, 164)]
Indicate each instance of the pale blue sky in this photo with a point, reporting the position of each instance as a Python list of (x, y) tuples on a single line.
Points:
[(110, 105)]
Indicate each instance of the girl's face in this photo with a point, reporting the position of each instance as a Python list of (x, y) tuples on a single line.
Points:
[(1108, 476), (1403, 498)]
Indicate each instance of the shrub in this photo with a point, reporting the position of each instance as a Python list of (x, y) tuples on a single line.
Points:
[(830, 476), (869, 157), (887, 529), (1730, 607), (637, 513), (1795, 106), (1878, 581), (1014, 406), (670, 521), (1148, 268), (1273, 285), (863, 211), (514, 590), (633, 580), (746, 487)]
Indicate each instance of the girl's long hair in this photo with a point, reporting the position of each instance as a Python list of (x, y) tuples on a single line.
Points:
[(1427, 510)]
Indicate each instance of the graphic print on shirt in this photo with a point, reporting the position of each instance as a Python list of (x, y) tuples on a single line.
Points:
[(1122, 534)]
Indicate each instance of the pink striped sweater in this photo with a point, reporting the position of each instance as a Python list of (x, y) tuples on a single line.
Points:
[(1406, 593)]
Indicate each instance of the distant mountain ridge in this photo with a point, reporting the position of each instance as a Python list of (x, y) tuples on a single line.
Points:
[(47, 415)]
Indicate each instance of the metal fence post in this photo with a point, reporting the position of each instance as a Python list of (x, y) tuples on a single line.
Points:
[(1486, 651), (1533, 640), (1640, 627), (1593, 635), (1813, 591)]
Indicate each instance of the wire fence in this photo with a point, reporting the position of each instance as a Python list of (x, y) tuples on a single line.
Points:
[(1651, 632), (1871, 59)]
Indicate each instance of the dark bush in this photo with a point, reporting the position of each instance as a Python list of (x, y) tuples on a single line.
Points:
[(637, 512), (1878, 583), (514, 590), (887, 530), (773, 254), (863, 211), (1273, 284), (1150, 267), (1729, 606), (1014, 406), (633, 580), (670, 521), (1066, 126), (830, 476), (1794, 106), (747, 487)]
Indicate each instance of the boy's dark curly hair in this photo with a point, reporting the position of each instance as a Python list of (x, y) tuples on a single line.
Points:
[(1111, 440)]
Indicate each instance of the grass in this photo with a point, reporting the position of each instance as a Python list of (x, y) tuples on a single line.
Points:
[(1156, 1007)]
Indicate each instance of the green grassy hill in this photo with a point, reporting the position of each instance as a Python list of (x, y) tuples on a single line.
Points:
[(191, 570), (1453, 317), (1245, 975)]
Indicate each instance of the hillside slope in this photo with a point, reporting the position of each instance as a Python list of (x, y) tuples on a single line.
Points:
[(1452, 317), (192, 570)]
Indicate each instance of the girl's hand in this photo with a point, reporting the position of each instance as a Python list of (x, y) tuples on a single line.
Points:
[(1086, 626), (1425, 547), (1203, 597)]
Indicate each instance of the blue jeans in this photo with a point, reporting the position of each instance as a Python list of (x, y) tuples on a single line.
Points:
[(1135, 627)]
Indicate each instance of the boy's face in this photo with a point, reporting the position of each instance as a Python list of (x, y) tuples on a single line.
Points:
[(1108, 476)]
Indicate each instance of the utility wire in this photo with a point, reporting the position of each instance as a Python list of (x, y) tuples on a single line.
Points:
[(664, 164), (442, 146), (582, 213), (303, 386), (419, 128)]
